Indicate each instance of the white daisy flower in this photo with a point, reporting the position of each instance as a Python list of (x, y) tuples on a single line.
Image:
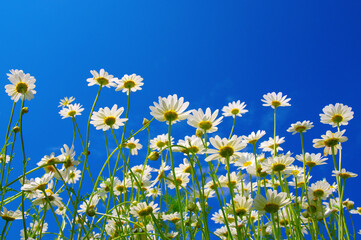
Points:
[(234, 109), (107, 118), (343, 174), (300, 127), (21, 84), (270, 145), (10, 216), (235, 179), (102, 79), (66, 101), (275, 100), (129, 82), (279, 163), (190, 145), (254, 137), (71, 110), (133, 145), (38, 183), (181, 178), (225, 148), (144, 210), (222, 232), (120, 187), (204, 121), (7, 158), (50, 168), (170, 109), (330, 140), (67, 155), (337, 114), (71, 175), (89, 206), (320, 189), (53, 198), (272, 203), (312, 159), (242, 205), (160, 142)]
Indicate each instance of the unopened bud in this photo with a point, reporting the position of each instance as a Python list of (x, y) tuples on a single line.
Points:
[(145, 121), (16, 129), (191, 206), (199, 133), (25, 110), (153, 156)]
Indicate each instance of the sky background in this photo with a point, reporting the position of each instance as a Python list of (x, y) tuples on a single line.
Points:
[(208, 52)]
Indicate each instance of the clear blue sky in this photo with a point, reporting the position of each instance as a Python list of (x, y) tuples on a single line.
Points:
[(209, 52)]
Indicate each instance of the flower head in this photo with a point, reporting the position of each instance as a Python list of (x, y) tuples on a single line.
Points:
[(204, 121), (133, 145), (272, 203), (300, 127), (129, 83), (102, 79), (66, 101), (336, 115), (107, 118), (234, 109), (225, 148), (21, 85), (275, 100), (330, 141), (144, 210), (343, 174), (254, 137), (71, 110), (170, 109), (10, 215)]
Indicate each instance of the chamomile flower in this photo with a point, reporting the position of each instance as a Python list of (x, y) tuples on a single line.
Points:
[(160, 142), (129, 83), (89, 206), (182, 180), (170, 109), (223, 232), (204, 121), (272, 203), (234, 109), (275, 100), (71, 110), (66, 101), (300, 127), (42, 199), (21, 85), (107, 118), (242, 205), (320, 189), (312, 159), (51, 162), (190, 145), (254, 137), (279, 163), (102, 79), (72, 175), (133, 145), (329, 141), (10, 216), (7, 158), (271, 144), (38, 183), (225, 148), (336, 115), (143, 210), (343, 174)]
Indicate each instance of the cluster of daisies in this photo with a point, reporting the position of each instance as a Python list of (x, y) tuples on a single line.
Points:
[(217, 190)]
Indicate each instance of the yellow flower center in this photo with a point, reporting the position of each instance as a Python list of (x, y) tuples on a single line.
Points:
[(21, 87), (235, 111), (102, 81), (170, 115), (275, 103), (110, 120), (241, 211), (331, 142), (311, 164), (271, 207), (131, 145), (226, 151), (72, 113), (160, 144), (337, 118), (129, 84), (300, 129), (279, 167), (318, 193), (205, 125)]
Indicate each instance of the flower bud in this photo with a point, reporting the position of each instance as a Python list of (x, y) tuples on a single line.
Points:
[(191, 206), (199, 133), (145, 121), (24, 110), (16, 129), (153, 156)]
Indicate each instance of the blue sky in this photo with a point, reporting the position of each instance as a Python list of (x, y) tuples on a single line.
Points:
[(209, 52)]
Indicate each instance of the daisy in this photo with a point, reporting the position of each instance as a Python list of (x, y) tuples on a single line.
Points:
[(144, 210), (234, 109), (160, 142), (66, 101), (174, 217), (107, 118), (300, 127), (279, 163), (312, 159), (71, 110), (320, 189), (223, 233), (72, 175), (7, 158), (275, 100), (102, 79), (343, 174), (232, 183), (38, 183), (181, 178), (186, 167), (50, 168), (204, 121), (129, 83), (21, 84), (272, 203), (133, 145), (88, 206), (330, 141), (190, 145), (120, 187), (170, 109), (10, 216), (225, 148), (336, 115), (42, 199), (242, 205), (271, 145), (254, 137)]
